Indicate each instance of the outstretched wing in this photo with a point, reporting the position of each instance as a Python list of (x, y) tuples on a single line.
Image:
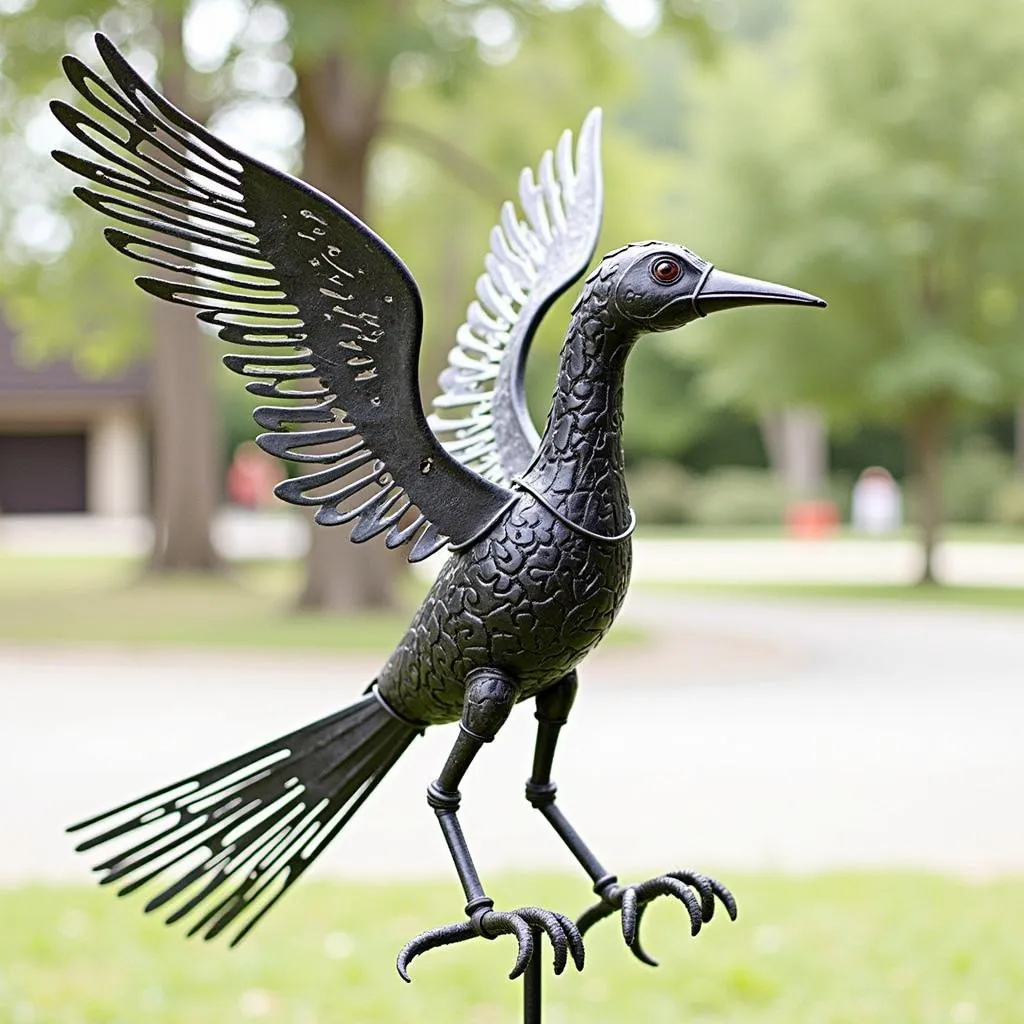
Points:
[(481, 415), (334, 314)]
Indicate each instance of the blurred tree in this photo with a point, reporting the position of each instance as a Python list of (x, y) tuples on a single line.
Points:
[(347, 57), (80, 301), (344, 60), (873, 156)]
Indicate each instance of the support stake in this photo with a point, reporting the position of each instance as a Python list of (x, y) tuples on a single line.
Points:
[(531, 984)]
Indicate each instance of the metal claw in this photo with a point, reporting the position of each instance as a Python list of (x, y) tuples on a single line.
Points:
[(665, 885), (629, 915), (553, 927), (574, 939), (727, 898), (563, 933), (633, 900), (498, 923), (447, 935), (703, 885), (635, 947)]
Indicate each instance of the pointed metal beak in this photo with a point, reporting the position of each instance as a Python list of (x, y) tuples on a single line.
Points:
[(721, 290)]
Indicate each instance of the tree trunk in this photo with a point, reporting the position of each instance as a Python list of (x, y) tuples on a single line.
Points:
[(805, 453), (340, 105), (796, 442), (187, 439), (928, 425)]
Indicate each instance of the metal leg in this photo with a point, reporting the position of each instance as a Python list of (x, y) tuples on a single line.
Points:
[(553, 706), (490, 697)]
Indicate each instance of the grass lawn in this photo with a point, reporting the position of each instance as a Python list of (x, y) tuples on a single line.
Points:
[(958, 596), (106, 600), (837, 949)]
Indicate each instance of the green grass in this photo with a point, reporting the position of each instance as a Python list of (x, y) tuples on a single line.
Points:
[(957, 596), (108, 600), (838, 949)]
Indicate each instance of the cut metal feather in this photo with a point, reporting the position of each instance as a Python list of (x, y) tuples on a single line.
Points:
[(274, 265), (223, 846), (481, 415)]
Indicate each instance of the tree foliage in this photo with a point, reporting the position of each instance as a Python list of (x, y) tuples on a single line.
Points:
[(352, 68), (874, 156)]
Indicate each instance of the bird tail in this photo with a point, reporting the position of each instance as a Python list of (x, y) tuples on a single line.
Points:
[(225, 844)]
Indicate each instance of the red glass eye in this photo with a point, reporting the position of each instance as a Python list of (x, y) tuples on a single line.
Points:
[(666, 271)]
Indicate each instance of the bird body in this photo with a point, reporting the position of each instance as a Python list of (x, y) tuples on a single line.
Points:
[(538, 526), (532, 599), (536, 594)]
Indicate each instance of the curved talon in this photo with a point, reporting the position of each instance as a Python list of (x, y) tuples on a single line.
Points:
[(505, 924), (447, 935), (727, 898), (629, 915), (564, 935), (667, 886), (633, 900), (573, 938), (708, 888), (703, 885), (553, 927), (635, 948)]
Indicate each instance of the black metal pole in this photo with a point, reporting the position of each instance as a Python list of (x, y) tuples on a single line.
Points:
[(531, 984)]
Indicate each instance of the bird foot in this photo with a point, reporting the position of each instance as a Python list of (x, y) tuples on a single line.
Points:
[(633, 900), (524, 923)]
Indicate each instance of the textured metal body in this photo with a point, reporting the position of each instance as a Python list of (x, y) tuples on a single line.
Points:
[(532, 598), (535, 594), (539, 526)]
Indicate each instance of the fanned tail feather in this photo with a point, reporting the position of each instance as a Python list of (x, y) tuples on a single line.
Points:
[(224, 845)]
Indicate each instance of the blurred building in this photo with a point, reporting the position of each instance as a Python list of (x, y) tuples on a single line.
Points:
[(71, 444)]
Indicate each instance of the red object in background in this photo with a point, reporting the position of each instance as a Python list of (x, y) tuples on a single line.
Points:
[(810, 519), (252, 476)]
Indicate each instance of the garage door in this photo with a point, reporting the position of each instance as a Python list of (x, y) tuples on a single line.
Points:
[(42, 473)]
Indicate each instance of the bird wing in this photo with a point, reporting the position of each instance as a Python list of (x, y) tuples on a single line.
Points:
[(332, 316), (481, 415)]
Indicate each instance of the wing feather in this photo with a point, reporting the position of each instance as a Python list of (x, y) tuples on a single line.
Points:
[(334, 315), (481, 416)]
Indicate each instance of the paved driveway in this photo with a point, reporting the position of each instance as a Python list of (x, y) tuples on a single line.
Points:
[(745, 735)]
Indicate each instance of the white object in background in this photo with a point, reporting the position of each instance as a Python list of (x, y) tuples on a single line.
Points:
[(877, 503)]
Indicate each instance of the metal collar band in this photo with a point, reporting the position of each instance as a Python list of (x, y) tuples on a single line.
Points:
[(420, 727), (700, 288), (581, 530)]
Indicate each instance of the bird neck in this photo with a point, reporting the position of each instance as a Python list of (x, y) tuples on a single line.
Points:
[(579, 466)]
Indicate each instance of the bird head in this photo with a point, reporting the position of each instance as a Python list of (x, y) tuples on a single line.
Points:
[(661, 286)]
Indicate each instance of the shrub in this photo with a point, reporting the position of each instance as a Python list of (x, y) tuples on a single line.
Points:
[(973, 477), (739, 496), (1008, 507), (661, 492)]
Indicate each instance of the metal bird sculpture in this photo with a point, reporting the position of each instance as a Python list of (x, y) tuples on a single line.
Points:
[(538, 526)]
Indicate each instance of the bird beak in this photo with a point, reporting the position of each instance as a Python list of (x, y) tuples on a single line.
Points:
[(721, 290)]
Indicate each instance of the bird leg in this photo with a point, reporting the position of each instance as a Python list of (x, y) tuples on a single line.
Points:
[(490, 697), (553, 706)]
